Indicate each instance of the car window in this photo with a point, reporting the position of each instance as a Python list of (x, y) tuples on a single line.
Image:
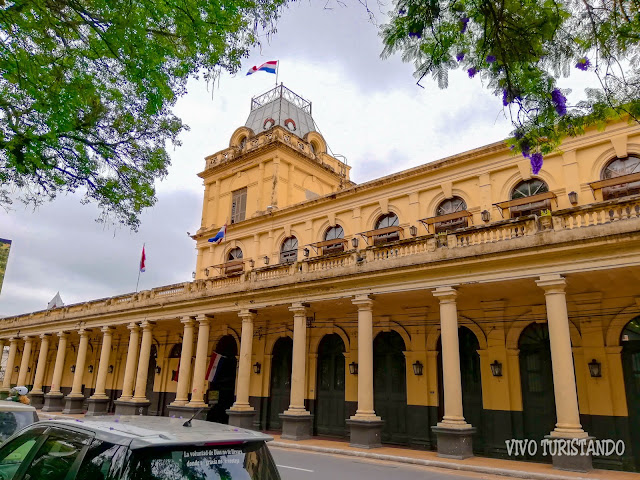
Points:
[(97, 461), (225, 462), (11, 422), (15, 452), (55, 458)]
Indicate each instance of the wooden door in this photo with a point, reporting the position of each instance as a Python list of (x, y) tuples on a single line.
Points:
[(471, 384), (630, 342), (330, 407), (224, 383), (280, 390), (390, 386)]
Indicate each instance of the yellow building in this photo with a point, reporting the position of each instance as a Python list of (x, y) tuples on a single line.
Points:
[(455, 305)]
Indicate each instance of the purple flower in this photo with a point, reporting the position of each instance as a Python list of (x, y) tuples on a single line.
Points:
[(491, 58), (415, 35), (583, 64), (472, 72), (536, 163), (505, 98), (402, 11), (460, 56), (463, 24), (559, 101)]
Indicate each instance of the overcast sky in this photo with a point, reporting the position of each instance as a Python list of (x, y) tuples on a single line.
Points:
[(369, 110)]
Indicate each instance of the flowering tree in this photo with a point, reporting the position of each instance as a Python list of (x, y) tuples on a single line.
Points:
[(520, 48), (87, 88)]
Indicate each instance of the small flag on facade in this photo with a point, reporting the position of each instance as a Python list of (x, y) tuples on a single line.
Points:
[(142, 259), (174, 373), (270, 67), (220, 235), (214, 366)]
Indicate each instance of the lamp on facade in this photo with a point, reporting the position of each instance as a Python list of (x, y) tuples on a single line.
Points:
[(256, 367), (305, 252), (413, 230), (417, 368), (573, 198), (485, 215), (158, 369), (73, 369), (16, 369), (206, 272), (354, 242), (353, 368), (28, 369), (496, 368), (90, 369), (110, 369), (266, 259), (595, 368), (251, 263), (193, 274)]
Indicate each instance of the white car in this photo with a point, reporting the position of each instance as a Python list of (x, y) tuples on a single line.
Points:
[(15, 416)]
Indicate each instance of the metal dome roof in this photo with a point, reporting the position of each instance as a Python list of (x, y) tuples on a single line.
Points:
[(281, 106)]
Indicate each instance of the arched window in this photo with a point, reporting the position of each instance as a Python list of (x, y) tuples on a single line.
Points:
[(289, 250), (243, 143), (447, 207), (386, 221), (176, 350), (236, 264), (528, 188), (333, 233), (234, 254), (620, 167)]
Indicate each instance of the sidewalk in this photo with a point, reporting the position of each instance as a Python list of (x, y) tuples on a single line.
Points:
[(489, 466), (483, 465)]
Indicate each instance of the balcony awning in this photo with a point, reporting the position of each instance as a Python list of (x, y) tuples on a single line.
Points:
[(379, 231), (326, 243), (445, 218), (612, 182), (231, 263), (526, 200)]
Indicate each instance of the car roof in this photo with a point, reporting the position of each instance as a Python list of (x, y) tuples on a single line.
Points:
[(10, 406), (139, 431)]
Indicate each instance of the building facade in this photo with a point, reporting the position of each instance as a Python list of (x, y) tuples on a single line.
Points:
[(453, 306)]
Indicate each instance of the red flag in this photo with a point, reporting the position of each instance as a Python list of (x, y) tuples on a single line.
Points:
[(142, 259)]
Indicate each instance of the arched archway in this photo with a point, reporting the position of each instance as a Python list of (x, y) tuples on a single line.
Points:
[(222, 388), (630, 341), (390, 386), (280, 385), (536, 374), (330, 404)]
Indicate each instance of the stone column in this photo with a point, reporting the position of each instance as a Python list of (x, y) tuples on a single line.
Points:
[(564, 381), (200, 368), (37, 395), (184, 370), (365, 426), (53, 401), (98, 403), (24, 362), (242, 414), (124, 405), (75, 400), (297, 421), (11, 360), (140, 395), (453, 432)]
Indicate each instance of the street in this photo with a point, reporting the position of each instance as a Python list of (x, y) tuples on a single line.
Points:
[(303, 465)]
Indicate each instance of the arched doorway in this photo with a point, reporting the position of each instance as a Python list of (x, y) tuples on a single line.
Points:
[(151, 377), (280, 386), (390, 386), (471, 381), (222, 389), (536, 378), (630, 341), (330, 413)]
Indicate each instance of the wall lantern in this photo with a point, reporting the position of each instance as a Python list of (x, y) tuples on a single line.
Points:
[(28, 369), (573, 198), (110, 369), (90, 368), (496, 368), (485, 215), (256, 367), (73, 369), (417, 368), (193, 275), (266, 259), (206, 272), (158, 370), (305, 252), (251, 263), (354, 242), (413, 230), (16, 369), (595, 368), (353, 368)]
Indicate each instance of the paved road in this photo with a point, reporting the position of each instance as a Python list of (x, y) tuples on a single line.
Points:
[(301, 465)]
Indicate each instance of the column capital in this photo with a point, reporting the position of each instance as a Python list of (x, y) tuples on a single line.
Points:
[(62, 334), (552, 283), (363, 302), (187, 320), (299, 308), (42, 336), (106, 330), (14, 339), (247, 314), (84, 332), (445, 294), (204, 319), (147, 325), (28, 338), (133, 327)]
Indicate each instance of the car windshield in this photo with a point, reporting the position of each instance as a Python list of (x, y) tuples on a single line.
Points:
[(215, 462), (11, 422)]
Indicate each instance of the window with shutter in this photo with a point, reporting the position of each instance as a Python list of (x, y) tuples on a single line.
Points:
[(238, 205)]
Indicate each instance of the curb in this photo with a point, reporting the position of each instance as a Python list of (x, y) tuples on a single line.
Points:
[(432, 463)]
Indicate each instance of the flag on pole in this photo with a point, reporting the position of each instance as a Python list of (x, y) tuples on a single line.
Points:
[(214, 366), (220, 235), (142, 259), (174, 373), (270, 67)]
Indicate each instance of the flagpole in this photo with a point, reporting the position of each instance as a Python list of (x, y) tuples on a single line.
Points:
[(138, 282), (277, 70)]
